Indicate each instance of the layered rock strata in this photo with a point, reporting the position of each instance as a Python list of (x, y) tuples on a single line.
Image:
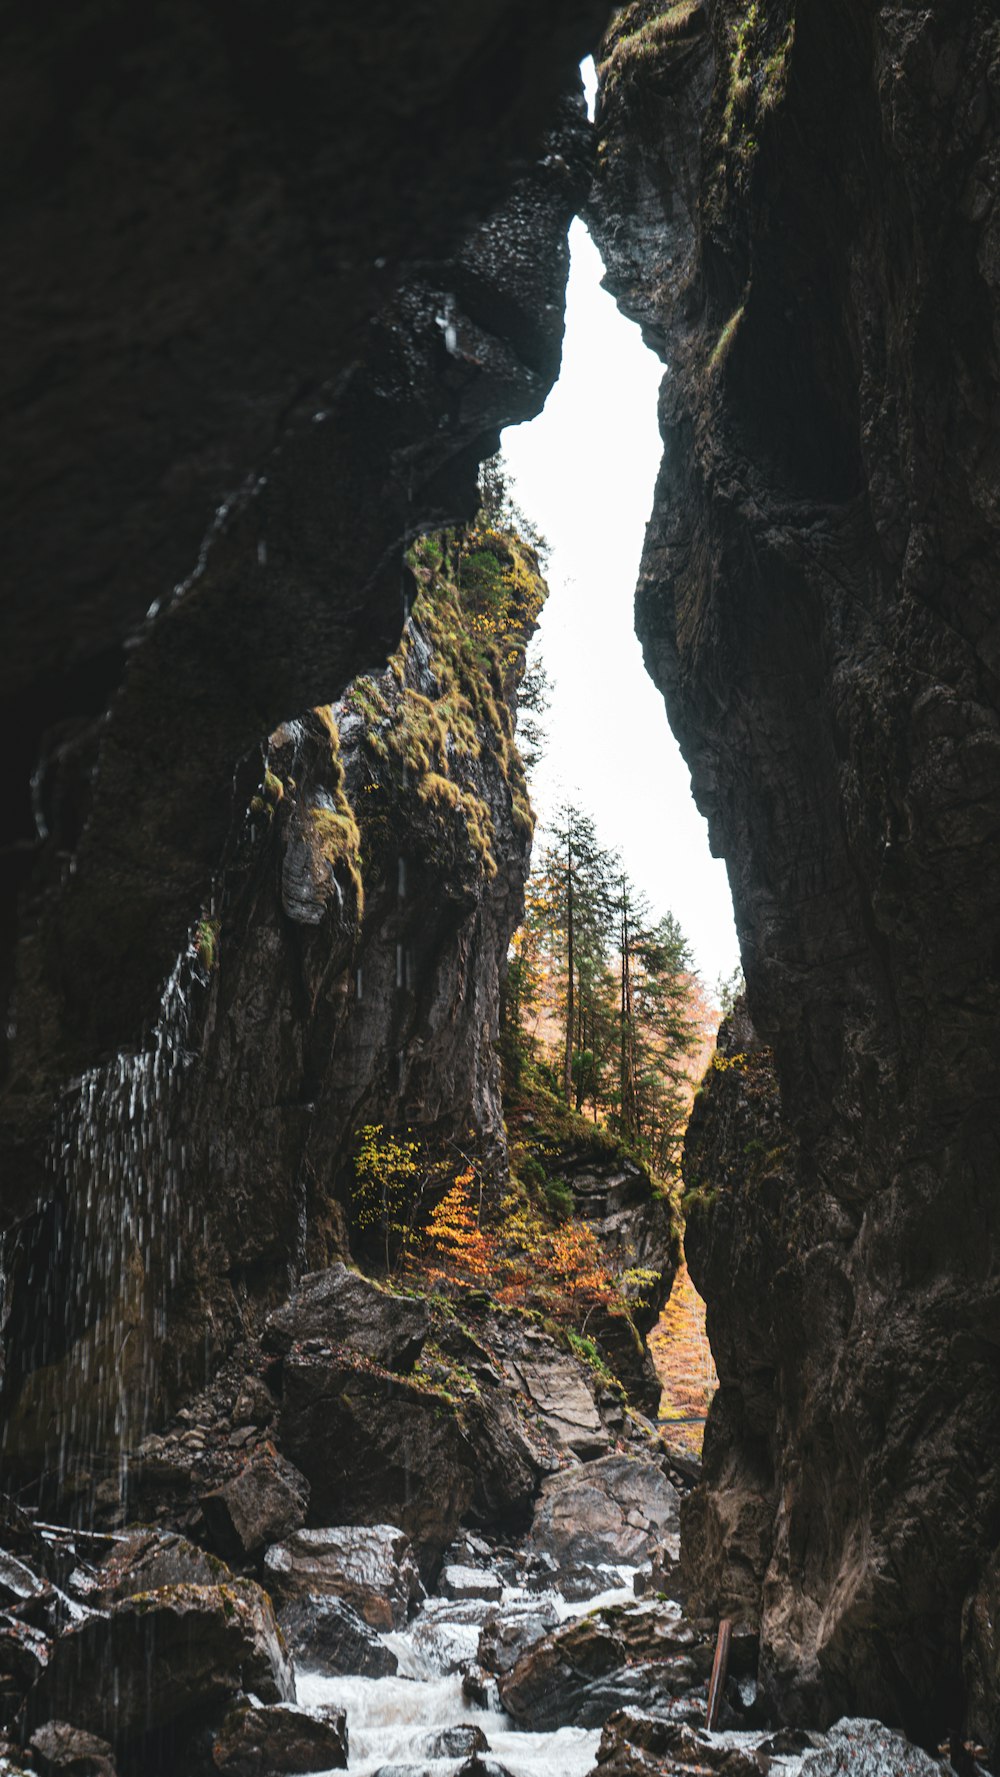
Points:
[(798, 203)]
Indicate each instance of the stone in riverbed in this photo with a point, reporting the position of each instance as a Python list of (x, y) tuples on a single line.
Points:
[(340, 1307), (266, 1501), (641, 1654), (369, 1566), (328, 1635), (469, 1582), (506, 1635), (459, 1741), (613, 1512), (263, 1741), (57, 1746)]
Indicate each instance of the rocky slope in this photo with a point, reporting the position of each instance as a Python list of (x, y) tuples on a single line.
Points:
[(799, 205)]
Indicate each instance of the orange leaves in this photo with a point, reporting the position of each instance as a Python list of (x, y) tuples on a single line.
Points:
[(457, 1242), (580, 1269)]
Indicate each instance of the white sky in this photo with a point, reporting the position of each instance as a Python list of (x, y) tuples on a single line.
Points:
[(583, 471)]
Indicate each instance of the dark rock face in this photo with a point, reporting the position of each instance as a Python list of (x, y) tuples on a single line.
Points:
[(167, 382), (799, 208), (321, 459)]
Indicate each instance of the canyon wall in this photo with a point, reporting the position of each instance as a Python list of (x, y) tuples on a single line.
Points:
[(278, 285), (798, 203)]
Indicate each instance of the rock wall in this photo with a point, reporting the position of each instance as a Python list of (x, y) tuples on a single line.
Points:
[(347, 973), (798, 203), (242, 394)]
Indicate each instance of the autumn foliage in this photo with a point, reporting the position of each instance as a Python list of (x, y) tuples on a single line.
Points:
[(523, 1261)]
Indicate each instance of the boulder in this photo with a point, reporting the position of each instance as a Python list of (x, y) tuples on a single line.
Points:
[(327, 1635), (57, 1746), (506, 1635), (266, 1501), (258, 1740), (148, 1561), (460, 1741), (613, 1512), (340, 1307), (368, 1566), (378, 1449), (639, 1654), (157, 1662), (859, 1748), (469, 1582)]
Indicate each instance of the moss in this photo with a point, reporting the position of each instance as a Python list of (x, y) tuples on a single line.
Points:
[(479, 595), (206, 943), (721, 349), (334, 831), (274, 789), (639, 37), (757, 78)]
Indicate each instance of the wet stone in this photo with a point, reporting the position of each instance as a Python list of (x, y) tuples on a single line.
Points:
[(160, 1660), (265, 1502), (327, 1635), (469, 1582), (460, 1741), (370, 1566), (258, 1741), (59, 1747)]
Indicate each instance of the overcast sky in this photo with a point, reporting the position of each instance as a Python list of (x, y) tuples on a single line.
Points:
[(584, 472)]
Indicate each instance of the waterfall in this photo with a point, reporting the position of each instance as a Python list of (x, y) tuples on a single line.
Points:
[(88, 1276)]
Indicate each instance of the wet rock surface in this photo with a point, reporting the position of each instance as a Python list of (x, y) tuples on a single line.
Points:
[(204, 1643), (260, 1741), (369, 1567), (327, 1635)]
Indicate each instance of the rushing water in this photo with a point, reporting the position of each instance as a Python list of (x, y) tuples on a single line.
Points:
[(388, 1718)]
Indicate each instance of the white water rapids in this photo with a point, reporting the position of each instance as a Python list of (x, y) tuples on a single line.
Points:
[(387, 1718)]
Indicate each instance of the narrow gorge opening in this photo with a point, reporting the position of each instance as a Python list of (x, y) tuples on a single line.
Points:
[(340, 1130)]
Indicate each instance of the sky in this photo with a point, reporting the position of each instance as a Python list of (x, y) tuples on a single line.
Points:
[(583, 471)]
